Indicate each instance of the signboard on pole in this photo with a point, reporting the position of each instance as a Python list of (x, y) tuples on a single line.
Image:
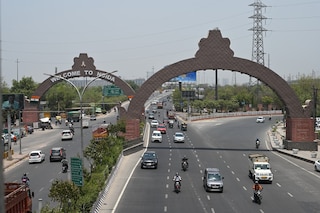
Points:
[(76, 171), (112, 90)]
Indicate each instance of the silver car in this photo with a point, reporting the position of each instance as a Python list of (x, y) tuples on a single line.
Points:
[(212, 180), (178, 137)]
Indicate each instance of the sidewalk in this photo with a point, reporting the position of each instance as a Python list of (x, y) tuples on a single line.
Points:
[(275, 140)]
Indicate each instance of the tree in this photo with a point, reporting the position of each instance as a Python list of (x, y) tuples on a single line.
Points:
[(64, 192), (25, 86)]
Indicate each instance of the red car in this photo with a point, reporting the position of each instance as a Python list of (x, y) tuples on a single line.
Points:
[(162, 128)]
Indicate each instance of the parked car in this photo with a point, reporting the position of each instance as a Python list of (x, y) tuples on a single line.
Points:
[(66, 135), (317, 165), (260, 119), (154, 123), (212, 180), (30, 129), (57, 154), (156, 136), (162, 128), (149, 160), (36, 156), (178, 137)]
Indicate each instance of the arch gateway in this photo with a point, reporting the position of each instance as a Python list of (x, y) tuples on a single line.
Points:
[(214, 54)]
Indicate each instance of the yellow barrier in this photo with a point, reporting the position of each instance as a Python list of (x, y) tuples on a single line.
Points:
[(5, 154)]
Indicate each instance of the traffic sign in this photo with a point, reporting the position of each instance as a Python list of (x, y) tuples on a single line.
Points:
[(76, 171), (112, 90)]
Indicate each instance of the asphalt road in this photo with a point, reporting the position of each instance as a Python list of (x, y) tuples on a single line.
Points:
[(43, 174), (224, 144)]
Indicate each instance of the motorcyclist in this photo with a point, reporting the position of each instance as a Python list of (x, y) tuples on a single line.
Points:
[(256, 188), (71, 127), (177, 178), (65, 164), (257, 142), (185, 159), (25, 179)]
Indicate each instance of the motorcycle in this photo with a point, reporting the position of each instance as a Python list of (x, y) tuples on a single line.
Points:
[(184, 165), (26, 181), (177, 186), (64, 166), (257, 197), (257, 143)]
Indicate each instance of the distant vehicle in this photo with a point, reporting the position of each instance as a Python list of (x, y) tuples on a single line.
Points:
[(36, 156), (162, 128), (93, 118), (184, 127), (73, 116), (66, 135), (260, 119), (154, 123), (149, 160), (178, 137), (151, 116), (317, 165), (30, 129), (212, 180), (156, 136), (57, 154), (85, 123)]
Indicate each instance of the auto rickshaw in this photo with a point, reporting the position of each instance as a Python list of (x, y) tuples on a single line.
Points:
[(184, 127)]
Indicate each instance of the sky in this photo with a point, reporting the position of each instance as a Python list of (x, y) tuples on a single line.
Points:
[(138, 38)]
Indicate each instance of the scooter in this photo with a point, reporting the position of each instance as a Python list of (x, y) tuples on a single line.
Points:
[(257, 197), (177, 186)]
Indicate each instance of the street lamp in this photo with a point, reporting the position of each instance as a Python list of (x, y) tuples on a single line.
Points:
[(80, 98)]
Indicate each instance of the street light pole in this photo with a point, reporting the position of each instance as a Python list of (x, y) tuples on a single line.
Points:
[(80, 98)]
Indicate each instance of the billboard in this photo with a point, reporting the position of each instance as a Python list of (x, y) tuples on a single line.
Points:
[(189, 77), (12, 101)]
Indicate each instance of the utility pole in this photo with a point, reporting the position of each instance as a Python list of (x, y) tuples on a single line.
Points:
[(17, 70)]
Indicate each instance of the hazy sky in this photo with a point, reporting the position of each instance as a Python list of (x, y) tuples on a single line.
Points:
[(142, 36)]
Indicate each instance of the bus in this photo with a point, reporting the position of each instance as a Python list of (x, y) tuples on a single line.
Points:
[(73, 116)]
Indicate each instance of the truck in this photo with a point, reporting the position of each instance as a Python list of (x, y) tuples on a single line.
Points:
[(18, 198), (259, 168), (171, 115)]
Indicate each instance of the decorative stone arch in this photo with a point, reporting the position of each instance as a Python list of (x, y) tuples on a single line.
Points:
[(83, 67), (215, 54)]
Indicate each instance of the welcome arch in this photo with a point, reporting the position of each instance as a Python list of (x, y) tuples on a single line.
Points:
[(214, 53)]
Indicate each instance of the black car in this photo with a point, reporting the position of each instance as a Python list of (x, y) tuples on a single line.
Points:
[(149, 160), (57, 154)]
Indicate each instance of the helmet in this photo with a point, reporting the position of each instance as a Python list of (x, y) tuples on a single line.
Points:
[(256, 182), (24, 174), (177, 174)]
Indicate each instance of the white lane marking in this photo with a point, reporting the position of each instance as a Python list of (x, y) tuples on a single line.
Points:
[(165, 209), (232, 172), (166, 196), (168, 170), (199, 165), (238, 179), (167, 186), (41, 189), (245, 188), (278, 184), (169, 164), (290, 194), (208, 197), (228, 166), (168, 177), (261, 210), (212, 210), (296, 165)]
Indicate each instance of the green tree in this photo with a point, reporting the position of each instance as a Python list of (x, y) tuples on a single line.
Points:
[(25, 86)]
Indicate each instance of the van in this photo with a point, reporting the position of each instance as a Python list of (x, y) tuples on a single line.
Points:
[(212, 180)]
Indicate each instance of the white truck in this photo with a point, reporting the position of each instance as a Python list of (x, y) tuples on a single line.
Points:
[(259, 168)]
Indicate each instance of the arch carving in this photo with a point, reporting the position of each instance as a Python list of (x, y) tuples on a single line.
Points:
[(215, 54)]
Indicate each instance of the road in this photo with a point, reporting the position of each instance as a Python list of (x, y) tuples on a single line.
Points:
[(224, 144), (43, 174)]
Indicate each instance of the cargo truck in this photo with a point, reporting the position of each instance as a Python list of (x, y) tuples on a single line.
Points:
[(259, 168), (18, 198)]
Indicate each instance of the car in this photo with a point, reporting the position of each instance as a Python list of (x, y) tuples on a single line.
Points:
[(154, 123), (162, 128), (178, 137), (317, 165), (36, 156), (212, 180), (151, 116), (149, 160), (57, 154), (30, 129), (66, 135), (93, 118), (260, 119), (85, 123), (156, 136)]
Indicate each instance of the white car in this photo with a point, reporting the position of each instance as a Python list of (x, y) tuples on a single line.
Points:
[(156, 136), (36, 156), (178, 137), (154, 123), (317, 165), (260, 119), (66, 135)]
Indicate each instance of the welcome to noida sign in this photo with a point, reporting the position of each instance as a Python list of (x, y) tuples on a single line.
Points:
[(83, 67)]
